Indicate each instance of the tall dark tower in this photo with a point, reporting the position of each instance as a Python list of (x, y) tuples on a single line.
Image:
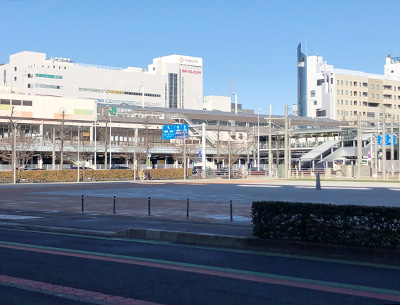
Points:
[(301, 82)]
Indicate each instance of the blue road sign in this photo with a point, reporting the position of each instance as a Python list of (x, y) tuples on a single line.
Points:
[(388, 139), (171, 132)]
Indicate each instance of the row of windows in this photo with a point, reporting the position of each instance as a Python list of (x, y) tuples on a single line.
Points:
[(119, 92), (364, 114), (365, 85), (15, 102), (346, 92), (351, 103)]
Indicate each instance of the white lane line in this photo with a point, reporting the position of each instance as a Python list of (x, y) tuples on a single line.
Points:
[(259, 185), (17, 217), (346, 188)]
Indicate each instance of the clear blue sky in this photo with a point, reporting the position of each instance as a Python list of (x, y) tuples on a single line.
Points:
[(247, 46)]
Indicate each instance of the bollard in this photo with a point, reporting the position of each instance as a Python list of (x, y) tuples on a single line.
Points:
[(187, 208), (114, 206), (231, 211), (318, 184), (82, 204), (148, 206)]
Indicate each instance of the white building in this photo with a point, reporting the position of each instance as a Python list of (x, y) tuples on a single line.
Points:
[(173, 81), (219, 103), (339, 94)]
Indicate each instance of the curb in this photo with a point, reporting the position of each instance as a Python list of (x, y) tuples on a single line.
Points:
[(382, 256)]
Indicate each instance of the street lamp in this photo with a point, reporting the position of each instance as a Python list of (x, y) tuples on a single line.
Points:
[(79, 162), (258, 139)]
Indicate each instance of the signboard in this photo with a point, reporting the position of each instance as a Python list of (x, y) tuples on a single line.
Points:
[(171, 132), (388, 139), (112, 111)]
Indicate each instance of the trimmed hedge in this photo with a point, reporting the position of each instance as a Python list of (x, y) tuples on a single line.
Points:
[(353, 225), (70, 175)]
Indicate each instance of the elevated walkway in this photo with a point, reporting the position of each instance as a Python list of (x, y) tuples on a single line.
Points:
[(320, 151)]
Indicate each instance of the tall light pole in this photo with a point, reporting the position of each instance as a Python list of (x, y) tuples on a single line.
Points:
[(383, 143), (286, 154), (14, 153), (79, 162), (258, 139), (95, 144), (110, 141)]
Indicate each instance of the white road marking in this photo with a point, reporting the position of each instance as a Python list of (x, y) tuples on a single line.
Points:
[(259, 185), (17, 217)]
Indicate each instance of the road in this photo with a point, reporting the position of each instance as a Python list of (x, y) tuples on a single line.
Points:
[(61, 268)]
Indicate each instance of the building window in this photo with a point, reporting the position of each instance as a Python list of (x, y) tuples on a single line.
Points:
[(351, 93), (377, 96), (377, 87), (351, 103), (341, 112), (337, 112), (372, 86), (347, 92), (337, 83), (315, 102), (341, 102), (351, 113), (27, 103), (341, 82), (313, 93), (15, 68), (347, 102), (173, 90), (338, 92), (347, 83), (372, 95), (338, 102), (341, 92)]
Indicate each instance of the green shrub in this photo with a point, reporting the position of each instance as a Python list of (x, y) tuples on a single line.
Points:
[(376, 227), (70, 175)]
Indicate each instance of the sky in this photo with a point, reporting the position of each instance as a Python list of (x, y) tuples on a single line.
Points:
[(248, 47)]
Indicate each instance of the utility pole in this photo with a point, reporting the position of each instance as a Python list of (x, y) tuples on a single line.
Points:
[(54, 148), (359, 146), (392, 143), (14, 152), (270, 157), (258, 139), (383, 143), (134, 152), (79, 162), (203, 148), (376, 149), (110, 142), (286, 155)]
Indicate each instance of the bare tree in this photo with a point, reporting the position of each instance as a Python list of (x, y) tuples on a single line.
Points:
[(231, 152), (144, 143)]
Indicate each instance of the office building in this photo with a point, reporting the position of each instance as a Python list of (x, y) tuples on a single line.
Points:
[(339, 94)]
